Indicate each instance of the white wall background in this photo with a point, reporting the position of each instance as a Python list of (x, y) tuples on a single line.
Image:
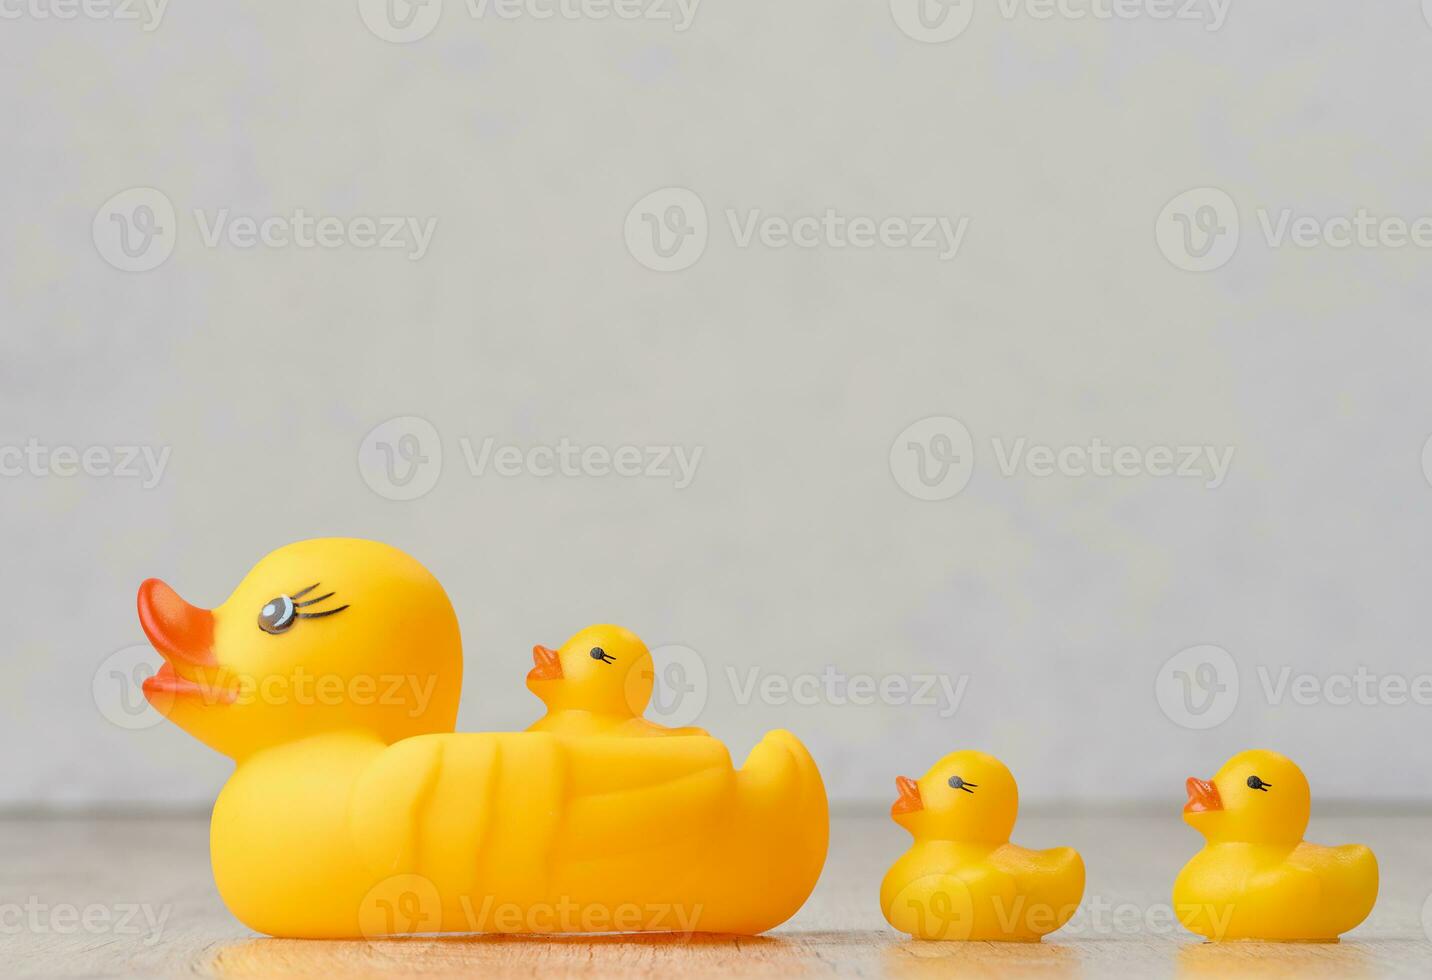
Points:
[(1058, 599)]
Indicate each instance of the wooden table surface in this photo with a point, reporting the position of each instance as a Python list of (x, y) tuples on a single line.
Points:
[(133, 896)]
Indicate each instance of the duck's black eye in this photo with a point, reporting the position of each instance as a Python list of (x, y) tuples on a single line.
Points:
[(1255, 783), (957, 783), (599, 654), (277, 615)]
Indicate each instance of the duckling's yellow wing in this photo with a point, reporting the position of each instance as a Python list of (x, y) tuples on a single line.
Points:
[(1051, 883), (1347, 880), (1280, 902), (1242, 891), (1024, 863)]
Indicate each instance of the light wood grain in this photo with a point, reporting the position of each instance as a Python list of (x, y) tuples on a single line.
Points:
[(1123, 928)]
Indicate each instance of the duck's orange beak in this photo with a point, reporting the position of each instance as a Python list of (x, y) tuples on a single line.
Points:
[(547, 665), (183, 635), (179, 631), (1202, 796), (909, 800)]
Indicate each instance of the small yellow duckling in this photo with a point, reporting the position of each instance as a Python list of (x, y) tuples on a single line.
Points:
[(963, 879), (1257, 878), (598, 683)]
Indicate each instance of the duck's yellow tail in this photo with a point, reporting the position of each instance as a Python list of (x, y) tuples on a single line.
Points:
[(781, 833)]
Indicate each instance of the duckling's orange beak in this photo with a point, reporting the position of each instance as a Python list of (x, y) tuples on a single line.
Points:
[(909, 800), (1202, 796), (183, 635), (547, 665)]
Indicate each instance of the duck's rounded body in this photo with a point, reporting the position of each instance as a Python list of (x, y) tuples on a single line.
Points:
[(1247, 891), (355, 810), (1257, 878), (343, 836), (963, 879), (995, 892)]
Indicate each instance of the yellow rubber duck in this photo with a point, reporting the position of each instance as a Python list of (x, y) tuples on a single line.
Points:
[(1257, 878), (963, 879), (598, 683), (331, 676)]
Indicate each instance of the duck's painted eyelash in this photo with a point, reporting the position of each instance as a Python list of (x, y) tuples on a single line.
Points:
[(314, 615), (320, 615)]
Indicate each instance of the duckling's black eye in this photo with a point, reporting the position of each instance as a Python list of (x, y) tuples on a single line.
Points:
[(1255, 783), (277, 615), (599, 654), (957, 783)]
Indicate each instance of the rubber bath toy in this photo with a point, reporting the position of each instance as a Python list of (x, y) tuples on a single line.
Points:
[(598, 683), (963, 879), (1257, 878), (331, 676)]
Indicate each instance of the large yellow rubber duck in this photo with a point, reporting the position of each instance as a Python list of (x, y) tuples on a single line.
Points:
[(332, 675), (1257, 878), (963, 879), (598, 683)]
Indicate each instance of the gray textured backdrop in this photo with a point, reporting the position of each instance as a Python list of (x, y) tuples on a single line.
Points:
[(799, 550)]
